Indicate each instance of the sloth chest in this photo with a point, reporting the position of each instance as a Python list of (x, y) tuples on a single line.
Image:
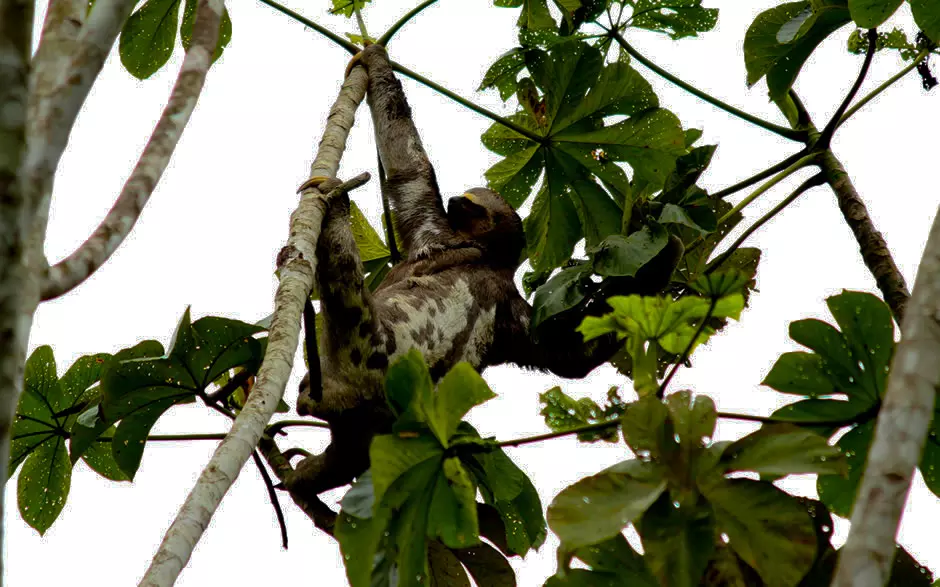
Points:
[(442, 319)]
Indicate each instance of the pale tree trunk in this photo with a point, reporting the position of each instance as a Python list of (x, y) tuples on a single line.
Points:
[(17, 299), (900, 433), (296, 264)]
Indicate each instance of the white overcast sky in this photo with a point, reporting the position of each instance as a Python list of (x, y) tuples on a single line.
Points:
[(214, 225)]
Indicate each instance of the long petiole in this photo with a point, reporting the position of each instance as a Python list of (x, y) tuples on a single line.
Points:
[(350, 47), (887, 84), (361, 22), (826, 135), (800, 164), (792, 134), (758, 177), (384, 39), (810, 183)]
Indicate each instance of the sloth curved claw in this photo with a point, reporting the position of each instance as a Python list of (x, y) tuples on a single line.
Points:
[(315, 181)]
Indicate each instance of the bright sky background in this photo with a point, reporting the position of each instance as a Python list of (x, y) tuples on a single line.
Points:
[(211, 232)]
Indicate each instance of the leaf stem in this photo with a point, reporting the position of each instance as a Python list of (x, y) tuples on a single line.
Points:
[(661, 391), (598, 426), (758, 177), (350, 47), (826, 136), (792, 134), (384, 39), (467, 103), (801, 163), (272, 495), (877, 91), (361, 22), (393, 251), (810, 183)]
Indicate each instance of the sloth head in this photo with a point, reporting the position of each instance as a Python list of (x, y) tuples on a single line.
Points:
[(483, 217)]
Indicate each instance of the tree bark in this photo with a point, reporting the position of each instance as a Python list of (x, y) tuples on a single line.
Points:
[(17, 299), (900, 433), (874, 249), (297, 268)]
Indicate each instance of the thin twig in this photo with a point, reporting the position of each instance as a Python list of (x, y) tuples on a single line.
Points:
[(230, 387), (111, 232), (272, 495), (393, 251), (794, 135), (758, 177), (351, 48), (278, 427), (799, 164), (826, 136)]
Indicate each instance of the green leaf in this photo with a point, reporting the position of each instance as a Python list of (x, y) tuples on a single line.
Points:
[(148, 37), (392, 457), (43, 484), (514, 176), (186, 29), (99, 457), (930, 463), (523, 521), (868, 327), (562, 412), (644, 428), (801, 374), (677, 543), (837, 491), (927, 17), (503, 73), (907, 572), (812, 411), (564, 291), (620, 256), (784, 449), (551, 230), (409, 390), (370, 244), (486, 565), (781, 39), (459, 390), (452, 517), (869, 14), (769, 529), (348, 8), (600, 506), (444, 567), (130, 438), (693, 418), (676, 18)]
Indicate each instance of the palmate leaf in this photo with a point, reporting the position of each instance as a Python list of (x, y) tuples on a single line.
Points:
[(869, 14), (927, 17), (348, 8), (676, 18), (584, 190), (612, 562), (535, 13), (781, 39), (46, 412)]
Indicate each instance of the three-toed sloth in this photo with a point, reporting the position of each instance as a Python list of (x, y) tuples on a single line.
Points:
[(453, 297)]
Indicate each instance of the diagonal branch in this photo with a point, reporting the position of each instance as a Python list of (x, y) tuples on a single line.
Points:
[(874, 249), (826, 136), (900, 433), (105, 23), (296, 264)]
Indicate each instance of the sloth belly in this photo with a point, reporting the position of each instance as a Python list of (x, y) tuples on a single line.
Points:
[(440, 317)]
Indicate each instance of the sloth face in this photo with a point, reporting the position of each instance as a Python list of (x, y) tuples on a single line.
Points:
[(483, 216)]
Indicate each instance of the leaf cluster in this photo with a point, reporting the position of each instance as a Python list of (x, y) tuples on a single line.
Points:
[(415, 512)]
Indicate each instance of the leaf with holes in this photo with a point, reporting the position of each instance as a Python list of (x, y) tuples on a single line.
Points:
[(676, 18)]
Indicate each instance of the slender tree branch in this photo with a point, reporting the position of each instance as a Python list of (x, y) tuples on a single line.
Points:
[(361, 22), (108, 236), (272, 495), (799, 164), (884, 86), (391, 32), (771, 420), (807, 185), (322, 516), (174, 437), (900, 433), (794, 135), (661, 391), (278, 427), (758, 177), (826, 137), (874, 249), (296, 265)]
